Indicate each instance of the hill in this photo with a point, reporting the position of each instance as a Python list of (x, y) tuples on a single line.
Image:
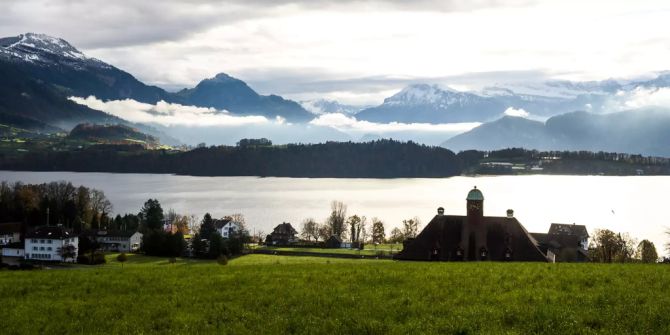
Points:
[(111, 134)]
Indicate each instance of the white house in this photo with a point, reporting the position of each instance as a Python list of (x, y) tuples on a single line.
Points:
[(118, 241), (13, 253), (46, 244), (226, 227), (10, 232)]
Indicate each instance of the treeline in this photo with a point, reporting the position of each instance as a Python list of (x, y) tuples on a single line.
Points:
[(76, 207), (376, 159)]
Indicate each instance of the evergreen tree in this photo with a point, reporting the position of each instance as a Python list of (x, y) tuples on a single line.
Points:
[(151, 215), (207, 227)]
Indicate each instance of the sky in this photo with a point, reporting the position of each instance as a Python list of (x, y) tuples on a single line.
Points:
[(357, 52)]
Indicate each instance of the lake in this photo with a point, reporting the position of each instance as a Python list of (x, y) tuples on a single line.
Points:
[(624, 204)]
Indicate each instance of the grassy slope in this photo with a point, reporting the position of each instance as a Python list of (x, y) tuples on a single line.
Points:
[(274, 294)]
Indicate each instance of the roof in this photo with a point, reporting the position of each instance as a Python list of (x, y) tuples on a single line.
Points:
[(475, 194), (13, 245), (49, 232), (284, 228), (219, 223), (113, 233), (334, 238), (444, 233), (568, 229), (10, 228)]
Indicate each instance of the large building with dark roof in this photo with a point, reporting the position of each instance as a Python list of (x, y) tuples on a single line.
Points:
[(473, 237)]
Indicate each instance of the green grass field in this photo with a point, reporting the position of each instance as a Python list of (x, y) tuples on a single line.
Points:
[(261, 294)]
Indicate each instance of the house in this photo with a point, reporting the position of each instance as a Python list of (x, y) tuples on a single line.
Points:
[(473, 237), (564, 242), (333, 242), (283, 234), (13, 253), (226, 227), (48, 243), (116, 240), (10, 232)]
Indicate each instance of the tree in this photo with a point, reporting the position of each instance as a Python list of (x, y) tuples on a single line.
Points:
[(215, 245), (608, 246), (354, 223), (324, 232), (336, 219), (151, 215), (646, 252), (67, 251), (207, 227), (410, 227), (378, 233), (309, 229), (198, 246), (396, 235), (122, 258)]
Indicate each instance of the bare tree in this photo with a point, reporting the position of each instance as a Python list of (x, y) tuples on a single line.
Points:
[(411, 227), (309, 229)]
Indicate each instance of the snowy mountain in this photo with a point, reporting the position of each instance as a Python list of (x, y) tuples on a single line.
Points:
[(323, 106), (432, 104), (44, 50)]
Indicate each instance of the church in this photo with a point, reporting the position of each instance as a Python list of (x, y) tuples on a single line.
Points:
[(473, 237)]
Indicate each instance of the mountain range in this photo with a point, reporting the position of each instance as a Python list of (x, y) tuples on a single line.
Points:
[(38, 73), (644, 131)]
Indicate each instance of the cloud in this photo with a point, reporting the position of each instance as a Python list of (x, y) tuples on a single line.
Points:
[(520, 112), (346, 123), (168, 114), (642, 97)]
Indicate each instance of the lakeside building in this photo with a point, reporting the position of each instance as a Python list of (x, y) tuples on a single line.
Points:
[(46, 244), (475, 237), (282, 234)]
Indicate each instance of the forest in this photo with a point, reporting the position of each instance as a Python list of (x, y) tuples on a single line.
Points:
[(375, 159)]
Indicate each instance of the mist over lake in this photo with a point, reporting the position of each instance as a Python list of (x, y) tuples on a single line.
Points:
[(623, 204)]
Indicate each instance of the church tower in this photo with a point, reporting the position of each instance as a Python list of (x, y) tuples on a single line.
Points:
[(474, 232)]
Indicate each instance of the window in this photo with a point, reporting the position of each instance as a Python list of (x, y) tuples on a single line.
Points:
[(49, 249), (34, 240), (34, 248), (41, 241), (49, 241)]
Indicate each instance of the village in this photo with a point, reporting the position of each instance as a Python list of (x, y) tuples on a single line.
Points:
[(473, 237)]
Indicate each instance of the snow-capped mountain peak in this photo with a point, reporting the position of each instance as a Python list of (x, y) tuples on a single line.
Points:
[(426, 94), (324, 106), (44, 49)]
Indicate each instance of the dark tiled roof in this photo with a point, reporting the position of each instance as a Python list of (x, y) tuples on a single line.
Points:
[(10, 228), (568, 229), (49, 232), (284, 229), (14, 245), (112, 233), (220, 223), (444, 233)]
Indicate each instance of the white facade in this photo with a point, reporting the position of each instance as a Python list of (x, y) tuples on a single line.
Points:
[(229, 229), (13, 252), (120, 243), (45, 249)]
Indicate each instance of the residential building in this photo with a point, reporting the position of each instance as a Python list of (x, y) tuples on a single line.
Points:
[(10, 232), (116, 240), (47, 243), (282, 234), (13, 253), (227, 227)]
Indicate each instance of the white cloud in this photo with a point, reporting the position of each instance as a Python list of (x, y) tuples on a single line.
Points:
[(168, 114), (645, 97), (520, 112), (346, 123)]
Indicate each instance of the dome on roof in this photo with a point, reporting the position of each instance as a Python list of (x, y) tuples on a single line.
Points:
[(475, 194)]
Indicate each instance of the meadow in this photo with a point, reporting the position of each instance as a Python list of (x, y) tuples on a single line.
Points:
[(312, 295)]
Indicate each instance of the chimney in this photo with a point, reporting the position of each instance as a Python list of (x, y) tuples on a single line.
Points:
[(510, 213), (440, 211)]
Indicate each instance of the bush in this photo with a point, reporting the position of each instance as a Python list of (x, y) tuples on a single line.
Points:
[(98, 258), (172, 260), (222, 260), (122, 257)]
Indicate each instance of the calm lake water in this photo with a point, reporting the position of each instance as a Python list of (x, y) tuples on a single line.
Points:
[(638, 205)]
